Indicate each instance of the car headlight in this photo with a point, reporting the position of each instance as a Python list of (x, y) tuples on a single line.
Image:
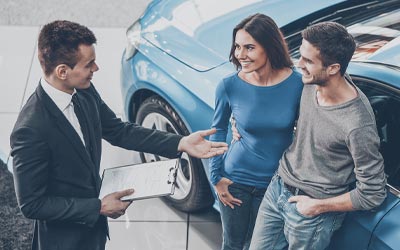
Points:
[(133, 36)]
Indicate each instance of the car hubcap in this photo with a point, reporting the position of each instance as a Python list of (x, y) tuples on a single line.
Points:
[(183, 178)]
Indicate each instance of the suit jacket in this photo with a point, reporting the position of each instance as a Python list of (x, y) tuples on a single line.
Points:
[(57, 179)]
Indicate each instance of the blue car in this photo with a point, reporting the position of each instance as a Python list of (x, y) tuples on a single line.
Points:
[(178, 52)]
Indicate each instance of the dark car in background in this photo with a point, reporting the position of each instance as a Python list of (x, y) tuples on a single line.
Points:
[(178, 52)]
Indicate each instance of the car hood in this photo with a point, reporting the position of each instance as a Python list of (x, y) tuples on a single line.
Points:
[(199, 34)]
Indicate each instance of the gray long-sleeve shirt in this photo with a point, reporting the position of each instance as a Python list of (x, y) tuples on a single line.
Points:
[(333, 147)]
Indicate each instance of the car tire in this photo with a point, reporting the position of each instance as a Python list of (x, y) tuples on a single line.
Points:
[(192, 192)]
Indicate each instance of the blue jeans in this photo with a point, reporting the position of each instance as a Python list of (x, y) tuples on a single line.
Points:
[(238, 223), (280, 225)]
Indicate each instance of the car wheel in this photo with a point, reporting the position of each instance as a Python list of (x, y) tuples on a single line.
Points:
[(192, 191)]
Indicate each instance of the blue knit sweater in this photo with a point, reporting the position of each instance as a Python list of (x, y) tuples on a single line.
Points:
[(265, 119)]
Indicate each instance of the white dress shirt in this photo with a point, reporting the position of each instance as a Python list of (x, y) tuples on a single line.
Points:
[(64, 102)]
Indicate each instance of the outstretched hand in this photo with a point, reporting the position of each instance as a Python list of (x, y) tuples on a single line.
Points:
[(195, 145)]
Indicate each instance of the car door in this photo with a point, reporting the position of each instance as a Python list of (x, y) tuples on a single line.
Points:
[(387, 233), (379, 228)]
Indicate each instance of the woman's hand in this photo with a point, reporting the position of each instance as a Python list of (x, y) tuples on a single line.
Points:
[(223, 193)]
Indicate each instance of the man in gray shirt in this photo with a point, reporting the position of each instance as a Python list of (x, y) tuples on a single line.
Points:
[(336, 144)]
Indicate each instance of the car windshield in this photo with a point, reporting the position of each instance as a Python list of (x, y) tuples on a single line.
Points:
[(373, 34), (376, 30)]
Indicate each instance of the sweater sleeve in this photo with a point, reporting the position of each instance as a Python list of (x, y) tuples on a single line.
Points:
[(369, 168), (222, 114)]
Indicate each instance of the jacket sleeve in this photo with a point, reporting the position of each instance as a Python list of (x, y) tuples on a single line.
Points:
[(134, 137), (222, 114), (369, 168), (31, 157)]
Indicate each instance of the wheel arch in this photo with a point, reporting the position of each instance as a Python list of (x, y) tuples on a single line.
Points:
[(183, 102), (199, 195), (138, 98)]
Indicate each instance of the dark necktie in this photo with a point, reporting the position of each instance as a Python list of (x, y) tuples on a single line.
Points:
[(82, 120)]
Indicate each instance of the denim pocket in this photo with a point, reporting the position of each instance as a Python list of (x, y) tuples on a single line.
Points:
[(233, 186), (239, 191), (294, 205)]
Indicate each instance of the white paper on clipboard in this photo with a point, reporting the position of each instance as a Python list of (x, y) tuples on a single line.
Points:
[(149, 180)]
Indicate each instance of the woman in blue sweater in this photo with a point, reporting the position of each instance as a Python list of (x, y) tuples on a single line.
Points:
[(263, 97)]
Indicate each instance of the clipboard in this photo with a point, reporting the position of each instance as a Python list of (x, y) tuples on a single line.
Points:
[(149, 180)]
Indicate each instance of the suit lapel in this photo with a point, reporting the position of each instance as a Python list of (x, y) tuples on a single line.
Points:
[(65, 127), (91, 135)]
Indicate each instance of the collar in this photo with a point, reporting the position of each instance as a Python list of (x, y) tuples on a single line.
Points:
[(60, 98)]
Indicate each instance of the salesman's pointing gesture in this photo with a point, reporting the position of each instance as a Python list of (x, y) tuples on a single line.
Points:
[(196, 146)]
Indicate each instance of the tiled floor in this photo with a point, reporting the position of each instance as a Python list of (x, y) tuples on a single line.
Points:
[(148, 224)]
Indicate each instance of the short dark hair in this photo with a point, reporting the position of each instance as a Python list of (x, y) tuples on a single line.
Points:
[(334, 43), (59, 42), (265, 31)]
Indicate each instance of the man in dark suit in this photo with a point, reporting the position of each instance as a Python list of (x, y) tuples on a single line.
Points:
[(56, 145)]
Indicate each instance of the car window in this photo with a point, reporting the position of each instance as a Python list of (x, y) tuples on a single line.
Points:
[(385, 102), (373, 25), (374, 33)]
